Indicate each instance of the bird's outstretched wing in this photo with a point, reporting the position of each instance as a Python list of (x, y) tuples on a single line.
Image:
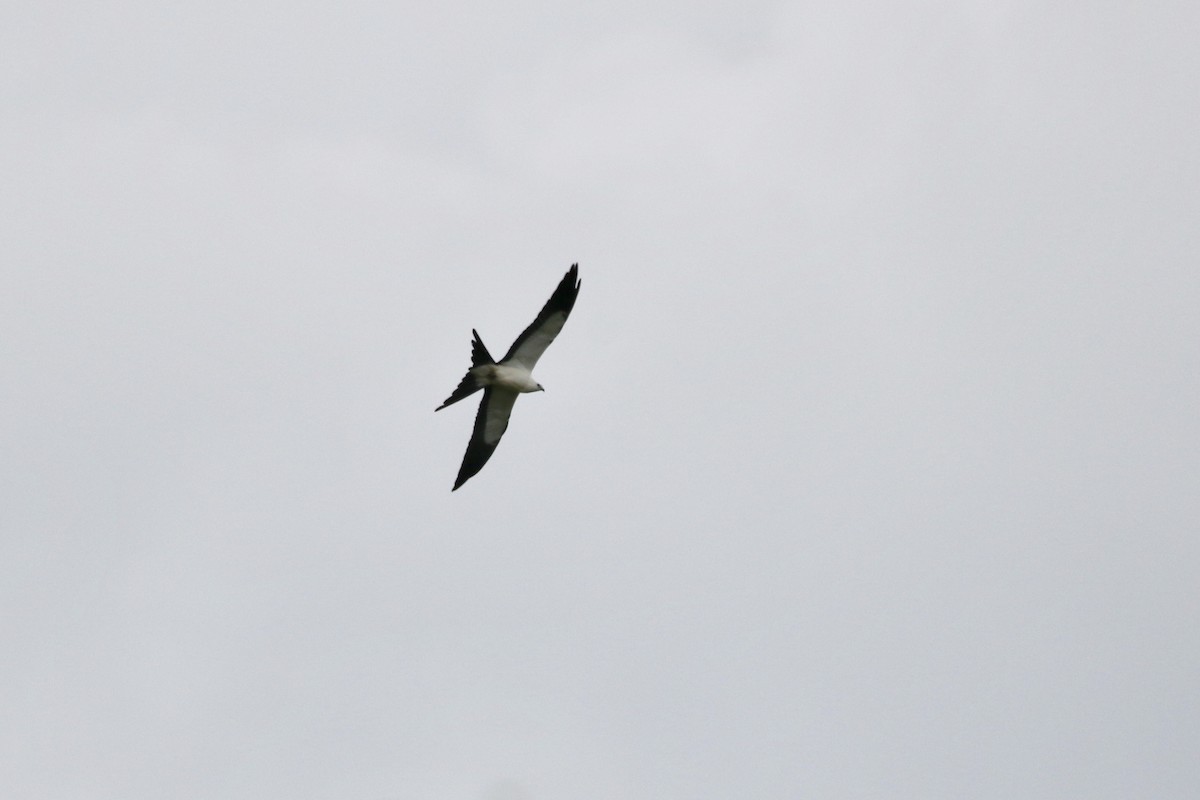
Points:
[(490, 423), (534, 340)]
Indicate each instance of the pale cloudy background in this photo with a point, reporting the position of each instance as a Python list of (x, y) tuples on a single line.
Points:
[(868, 463)]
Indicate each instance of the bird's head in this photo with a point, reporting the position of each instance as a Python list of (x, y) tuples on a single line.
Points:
[(541, 388)]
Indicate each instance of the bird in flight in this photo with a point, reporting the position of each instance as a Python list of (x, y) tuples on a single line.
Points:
[(502, 381)]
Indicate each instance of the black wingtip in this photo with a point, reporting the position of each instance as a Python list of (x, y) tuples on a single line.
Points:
[(565, 293)]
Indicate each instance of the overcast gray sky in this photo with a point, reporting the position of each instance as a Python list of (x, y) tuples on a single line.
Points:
[(867, 465)]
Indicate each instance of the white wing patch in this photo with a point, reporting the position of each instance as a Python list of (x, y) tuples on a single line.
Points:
[(498, 411), (531, 349)]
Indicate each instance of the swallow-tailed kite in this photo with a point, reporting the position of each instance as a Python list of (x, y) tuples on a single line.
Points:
[(502, 382)]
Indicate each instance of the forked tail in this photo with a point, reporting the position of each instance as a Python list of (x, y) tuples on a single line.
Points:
[(469, 385)]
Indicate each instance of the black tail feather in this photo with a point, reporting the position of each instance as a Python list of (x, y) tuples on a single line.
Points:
[(469, 385), (479, 353)]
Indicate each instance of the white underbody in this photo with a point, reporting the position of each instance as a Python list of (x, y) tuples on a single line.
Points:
[(507, 376)]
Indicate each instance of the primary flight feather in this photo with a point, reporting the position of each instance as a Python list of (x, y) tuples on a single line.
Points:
[(502, 381)]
